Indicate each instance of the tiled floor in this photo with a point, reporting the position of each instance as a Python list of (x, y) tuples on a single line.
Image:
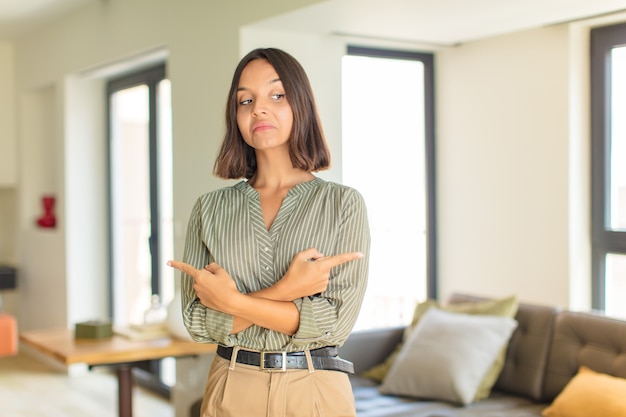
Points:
[(31, 388)]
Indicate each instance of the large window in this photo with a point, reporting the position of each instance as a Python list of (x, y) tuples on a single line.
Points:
[(140, 185), (608, 84), (388, 155)]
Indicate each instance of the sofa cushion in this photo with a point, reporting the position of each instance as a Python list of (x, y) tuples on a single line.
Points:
[(590, 393), (499, 307), (527, 353), (371, 403), (583, 339), (447, 356)]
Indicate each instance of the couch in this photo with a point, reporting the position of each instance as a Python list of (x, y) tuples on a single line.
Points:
[(544, 353)]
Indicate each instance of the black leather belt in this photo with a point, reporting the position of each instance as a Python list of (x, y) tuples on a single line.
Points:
[(323, 359)]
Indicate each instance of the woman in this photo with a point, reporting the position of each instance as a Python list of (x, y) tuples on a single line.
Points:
[(275, 267)]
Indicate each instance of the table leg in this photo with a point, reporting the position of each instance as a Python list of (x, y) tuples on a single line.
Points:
[(125, 390)]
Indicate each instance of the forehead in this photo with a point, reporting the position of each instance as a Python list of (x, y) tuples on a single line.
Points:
[(258, 71)]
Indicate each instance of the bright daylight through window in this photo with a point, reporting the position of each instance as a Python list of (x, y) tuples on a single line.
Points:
[(615, 264), (383, 157)]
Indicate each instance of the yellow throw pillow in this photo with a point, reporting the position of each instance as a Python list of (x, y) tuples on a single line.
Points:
[(505, 307), (590, 393)]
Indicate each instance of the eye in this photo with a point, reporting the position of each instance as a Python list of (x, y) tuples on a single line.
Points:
[(278, 96), (245, 101)]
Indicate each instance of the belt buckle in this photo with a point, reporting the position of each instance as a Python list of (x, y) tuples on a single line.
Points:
[(283, 362)]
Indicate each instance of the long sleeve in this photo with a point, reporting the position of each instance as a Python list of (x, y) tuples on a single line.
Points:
[(226, 226), (203, 324), (328, 319)]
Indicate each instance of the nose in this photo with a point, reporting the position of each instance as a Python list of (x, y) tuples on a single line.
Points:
[(258, 107)]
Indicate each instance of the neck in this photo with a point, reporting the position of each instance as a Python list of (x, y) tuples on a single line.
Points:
[(277, 173)]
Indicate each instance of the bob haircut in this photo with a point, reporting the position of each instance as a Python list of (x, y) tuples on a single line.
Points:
[(307, 145)]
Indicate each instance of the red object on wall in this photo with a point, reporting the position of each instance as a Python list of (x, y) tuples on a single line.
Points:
[(48, 218)]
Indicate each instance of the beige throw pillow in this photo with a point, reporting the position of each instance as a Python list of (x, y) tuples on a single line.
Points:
[(505, 307), (447, 356)]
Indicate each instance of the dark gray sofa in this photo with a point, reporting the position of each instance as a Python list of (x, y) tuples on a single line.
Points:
[(544, 353)]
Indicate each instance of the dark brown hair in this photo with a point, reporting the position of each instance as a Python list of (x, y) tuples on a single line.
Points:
[(307, 145)]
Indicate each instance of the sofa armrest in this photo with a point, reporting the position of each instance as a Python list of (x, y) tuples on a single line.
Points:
[(367, 348)]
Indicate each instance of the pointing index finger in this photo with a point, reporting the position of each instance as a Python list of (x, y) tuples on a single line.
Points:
[(183, 267), (342, 258)]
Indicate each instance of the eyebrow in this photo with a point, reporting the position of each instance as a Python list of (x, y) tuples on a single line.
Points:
[(275, 80)]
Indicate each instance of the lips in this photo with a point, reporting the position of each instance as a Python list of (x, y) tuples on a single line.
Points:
[(262, 126)]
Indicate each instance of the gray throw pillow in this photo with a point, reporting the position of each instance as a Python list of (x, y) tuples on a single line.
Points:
[(447, 356)]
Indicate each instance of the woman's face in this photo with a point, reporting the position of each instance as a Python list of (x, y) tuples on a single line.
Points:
[(264, 115)]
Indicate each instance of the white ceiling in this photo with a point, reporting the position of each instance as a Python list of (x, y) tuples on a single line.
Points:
[(19, 16), (437, 22)]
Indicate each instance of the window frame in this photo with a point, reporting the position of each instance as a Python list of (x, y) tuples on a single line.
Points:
[(147, 373), (151, 78), (427, 60), (603, 239)]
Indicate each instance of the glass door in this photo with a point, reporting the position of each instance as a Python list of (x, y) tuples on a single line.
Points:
[(140, 199)]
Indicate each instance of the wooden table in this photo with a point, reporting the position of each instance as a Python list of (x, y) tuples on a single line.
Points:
[(118, 352)]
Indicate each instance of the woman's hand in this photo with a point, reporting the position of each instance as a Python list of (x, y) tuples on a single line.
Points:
[(271, 307), (216, 290), (309, 272), (213, 285)]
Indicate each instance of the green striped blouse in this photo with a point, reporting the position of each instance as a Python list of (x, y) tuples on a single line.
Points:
[(226, 226)]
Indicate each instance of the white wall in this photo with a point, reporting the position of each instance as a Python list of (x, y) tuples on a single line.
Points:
[(86, 245), (8, 170), (502, 166), (41, 252), (8, 142)]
